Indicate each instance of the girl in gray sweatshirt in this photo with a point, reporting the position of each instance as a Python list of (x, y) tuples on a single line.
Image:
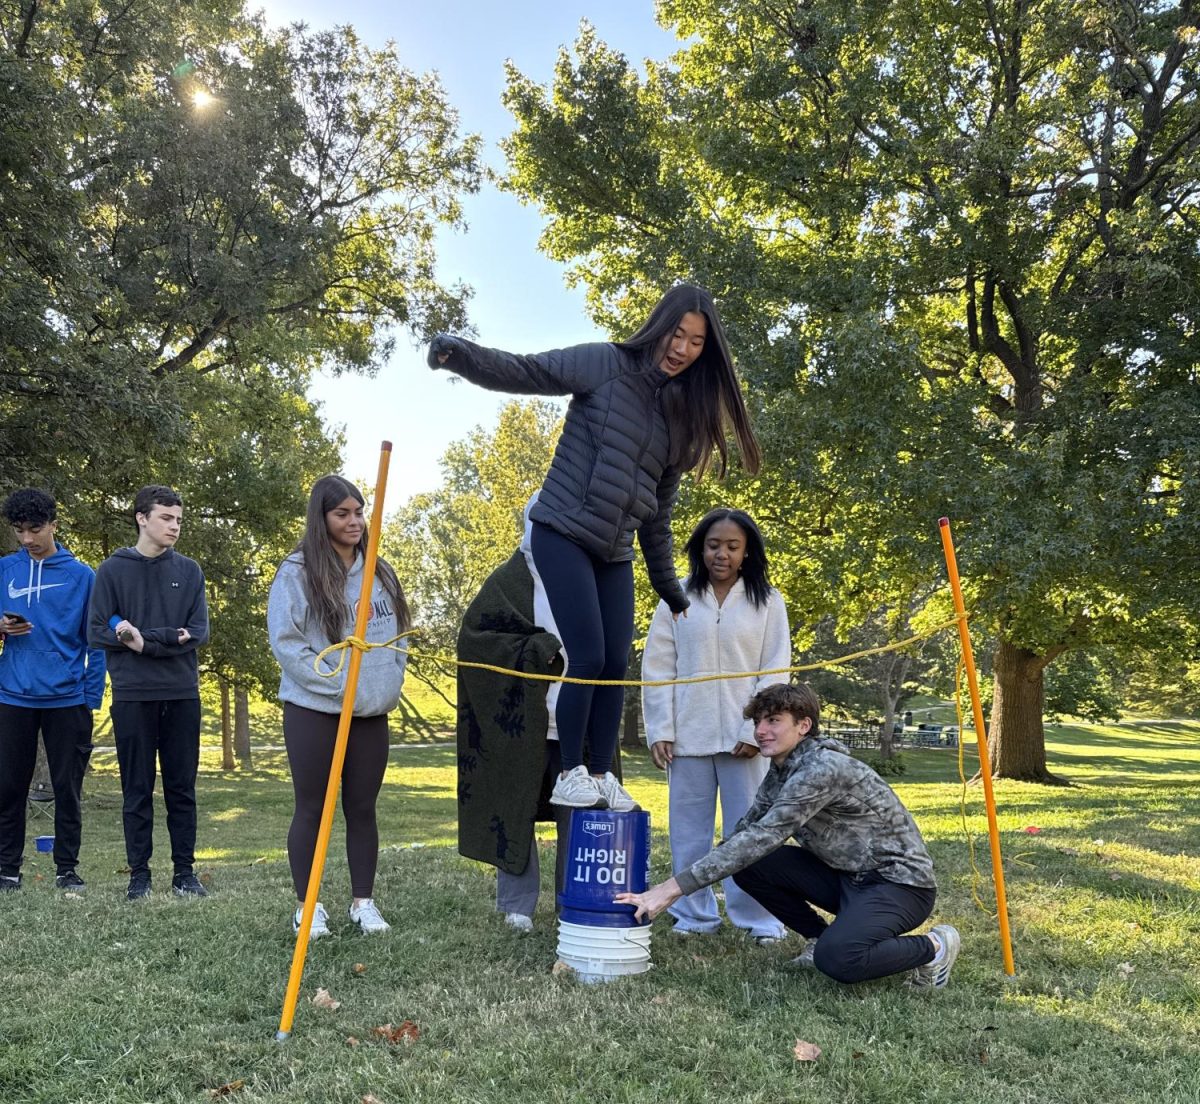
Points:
[(313, 604)]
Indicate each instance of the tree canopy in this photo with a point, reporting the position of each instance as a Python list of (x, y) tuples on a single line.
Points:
[(197, 212), (956, 248)]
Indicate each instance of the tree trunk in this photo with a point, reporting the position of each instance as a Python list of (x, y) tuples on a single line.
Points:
[(632, 734), (887, 734), (1016, 738), (241, 725), (226, 726), (40, 786), (631, 713)]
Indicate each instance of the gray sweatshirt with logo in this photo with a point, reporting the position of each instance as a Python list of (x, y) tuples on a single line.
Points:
[(297, 639), (831, 804)]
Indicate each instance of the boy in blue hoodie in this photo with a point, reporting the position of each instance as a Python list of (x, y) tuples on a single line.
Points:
[(50, 681)]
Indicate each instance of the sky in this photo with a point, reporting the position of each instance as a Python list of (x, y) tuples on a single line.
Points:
[(520, 301)]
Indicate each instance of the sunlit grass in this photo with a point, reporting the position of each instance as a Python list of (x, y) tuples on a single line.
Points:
[(108, 1003)]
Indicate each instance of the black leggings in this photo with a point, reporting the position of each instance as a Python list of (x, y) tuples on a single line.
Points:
[(864, 941), (592, 603), (310, 737)]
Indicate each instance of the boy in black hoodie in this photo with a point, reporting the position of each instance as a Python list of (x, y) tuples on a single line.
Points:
[(149, 614)]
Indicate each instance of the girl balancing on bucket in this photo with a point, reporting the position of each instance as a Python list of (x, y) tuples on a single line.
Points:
[(643, 411), (696, 731), (312, 605)]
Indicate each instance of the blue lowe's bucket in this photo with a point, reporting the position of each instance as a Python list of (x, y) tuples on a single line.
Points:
[(607, 853)]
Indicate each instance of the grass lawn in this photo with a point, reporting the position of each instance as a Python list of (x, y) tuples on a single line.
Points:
[(169, 1000)]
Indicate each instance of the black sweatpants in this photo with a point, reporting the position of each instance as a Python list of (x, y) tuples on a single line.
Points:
[(310, 737), (67, 734), (865, 939), (169, 732)]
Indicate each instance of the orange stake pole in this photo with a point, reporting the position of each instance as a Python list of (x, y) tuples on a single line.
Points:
[(339, 750), (985, 762)]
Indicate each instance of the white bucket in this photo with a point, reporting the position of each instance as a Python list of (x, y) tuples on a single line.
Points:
[(600, 954)]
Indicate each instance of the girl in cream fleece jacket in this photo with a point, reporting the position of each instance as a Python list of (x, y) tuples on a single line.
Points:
[(737, 622)]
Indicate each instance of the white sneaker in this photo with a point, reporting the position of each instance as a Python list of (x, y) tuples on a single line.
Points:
[(766, 940), (320, 922), (519, 922), (579, 790), (368, 917), (804, 960), (936, 974), (618, 798)]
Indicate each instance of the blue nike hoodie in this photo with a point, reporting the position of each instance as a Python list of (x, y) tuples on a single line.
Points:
[(52, 666)]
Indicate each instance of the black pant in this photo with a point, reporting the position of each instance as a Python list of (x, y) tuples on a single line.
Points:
[(592, 603), (864, 941), (309, 737), (67, 734), (170, 732)]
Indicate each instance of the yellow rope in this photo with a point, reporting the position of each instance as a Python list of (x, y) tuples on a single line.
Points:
[(976, 874), (668, 682), (344, 646)]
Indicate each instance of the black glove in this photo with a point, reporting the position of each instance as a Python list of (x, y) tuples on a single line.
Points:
[(442, 347)]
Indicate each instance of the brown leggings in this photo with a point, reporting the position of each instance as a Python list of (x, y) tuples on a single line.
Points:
[(310, 737)]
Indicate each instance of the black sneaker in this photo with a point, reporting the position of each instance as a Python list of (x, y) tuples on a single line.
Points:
[(187, 885), (9, 884), (70, 880), (139, 886)]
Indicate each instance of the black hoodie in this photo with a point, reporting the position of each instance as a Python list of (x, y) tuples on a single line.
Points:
[(159, 595)]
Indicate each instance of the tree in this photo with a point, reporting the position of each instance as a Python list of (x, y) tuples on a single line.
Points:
[(955, 246), (268, 200), (183, 240)]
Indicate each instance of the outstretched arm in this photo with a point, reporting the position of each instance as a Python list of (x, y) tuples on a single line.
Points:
[(572, 371)]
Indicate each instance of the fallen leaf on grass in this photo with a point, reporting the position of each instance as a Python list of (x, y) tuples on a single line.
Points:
[(660, 999), (205, 879), (1069, 850), (1125, 969), (324, 1000), (226, 1089), (358, 968), (371, 1098), (806, 1052), (39, 877), (351, 1041), (407, 1032), (1098, 843), (260, 859), (560, 968), (1114, 877), (1032, 830), (72, 897)]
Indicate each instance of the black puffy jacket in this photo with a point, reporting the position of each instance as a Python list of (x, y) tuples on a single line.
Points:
[(610, 476)]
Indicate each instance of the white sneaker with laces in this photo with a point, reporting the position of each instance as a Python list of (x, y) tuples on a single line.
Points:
[(519, 922), (320, 922), (368, 917), (618, 798), (936, 974), (579, 790)]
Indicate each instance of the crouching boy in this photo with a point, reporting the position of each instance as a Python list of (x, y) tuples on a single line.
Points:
[(860, 855)]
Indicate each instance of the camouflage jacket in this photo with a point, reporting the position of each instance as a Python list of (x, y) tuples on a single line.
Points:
[(831, 804)]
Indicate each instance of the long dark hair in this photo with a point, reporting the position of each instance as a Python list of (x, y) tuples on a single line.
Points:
[(701, 402), (754, 572), (325, 572)]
